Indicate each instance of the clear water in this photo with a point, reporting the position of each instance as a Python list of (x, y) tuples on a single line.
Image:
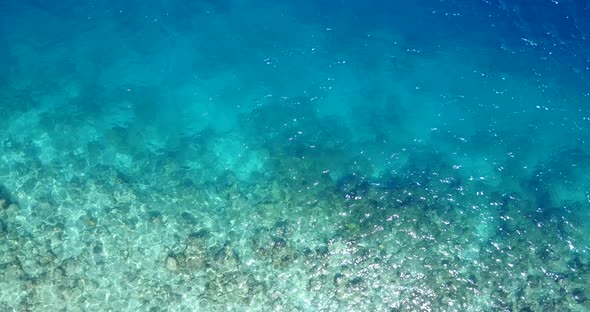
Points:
[(249, 155)]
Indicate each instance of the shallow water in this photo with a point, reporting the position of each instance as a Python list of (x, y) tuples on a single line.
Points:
[(251, 155)]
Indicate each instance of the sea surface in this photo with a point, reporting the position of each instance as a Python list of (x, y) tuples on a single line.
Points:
[(294, 155)]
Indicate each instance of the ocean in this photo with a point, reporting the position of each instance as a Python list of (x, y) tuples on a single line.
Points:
[(250, 155)]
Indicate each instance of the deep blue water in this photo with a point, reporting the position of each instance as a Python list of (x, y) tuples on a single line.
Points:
[(294, 155)]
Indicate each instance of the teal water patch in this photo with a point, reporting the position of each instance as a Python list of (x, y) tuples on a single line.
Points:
[(247, 155)]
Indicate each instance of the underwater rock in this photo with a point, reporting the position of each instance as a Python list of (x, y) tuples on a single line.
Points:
[(272, 248), (3, 228), (196, 253), (171, 263), (579, 295), (281, 228), (339, 279), (282, 253), (227, 257), (6, 199)]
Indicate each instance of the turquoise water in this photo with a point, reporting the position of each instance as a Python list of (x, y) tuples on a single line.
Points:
[(248, 155)]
